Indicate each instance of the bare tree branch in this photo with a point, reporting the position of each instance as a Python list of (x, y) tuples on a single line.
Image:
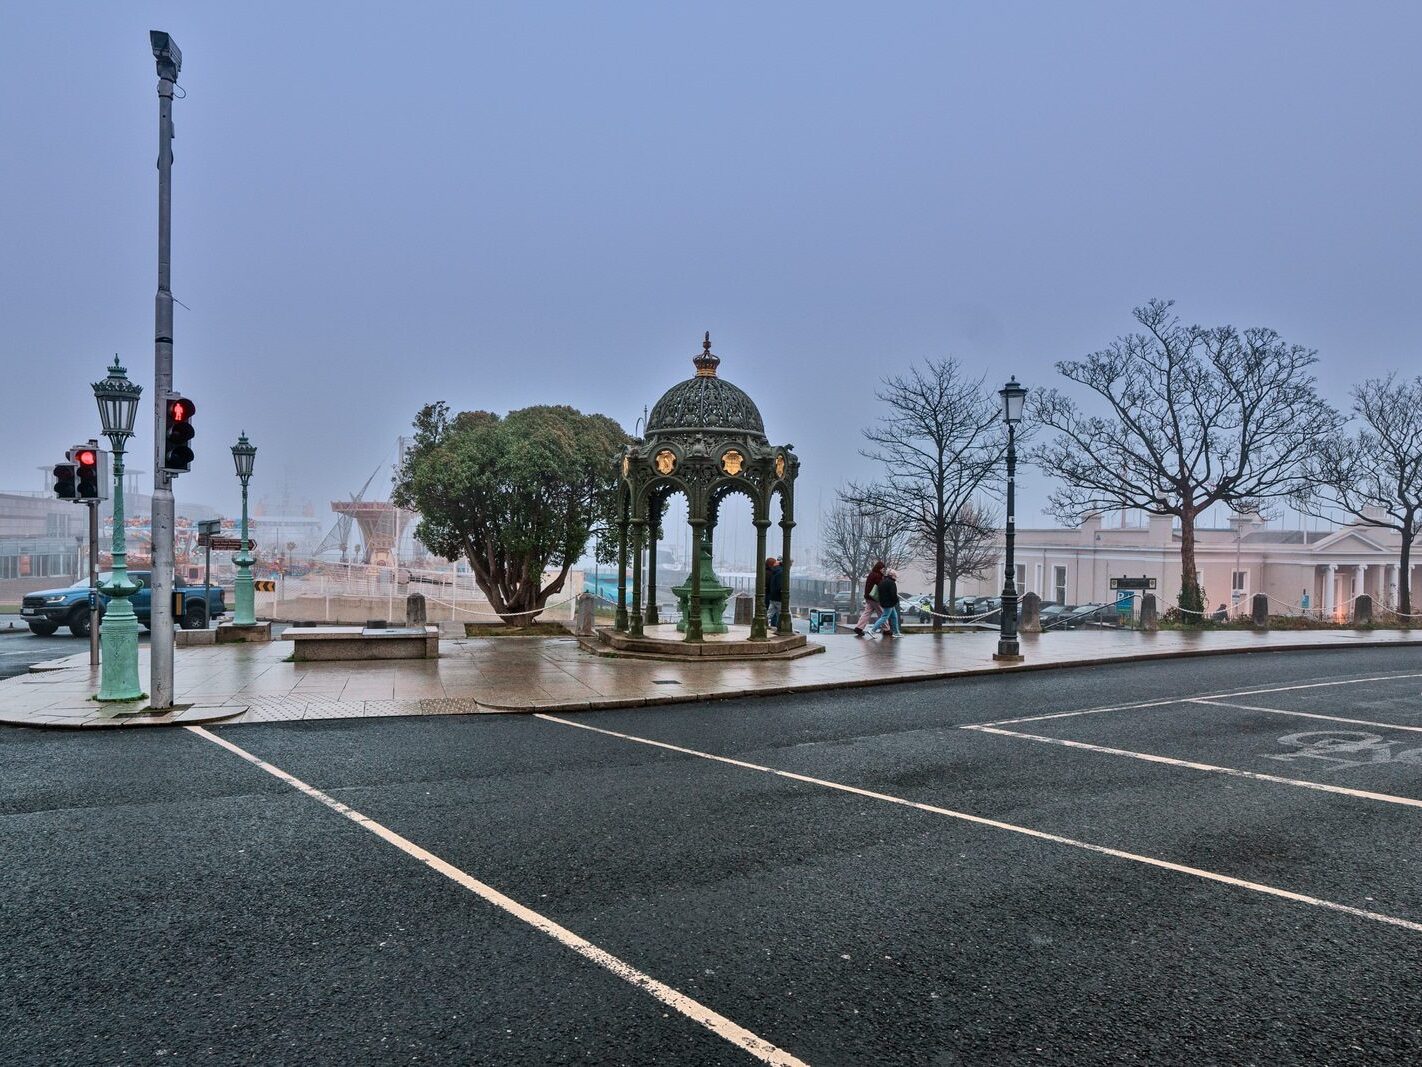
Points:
[(941, 441), (854, 538), (1375, 475), (1195, 416)]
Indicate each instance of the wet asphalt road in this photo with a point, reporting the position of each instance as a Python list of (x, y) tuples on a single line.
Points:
[(166, 901)]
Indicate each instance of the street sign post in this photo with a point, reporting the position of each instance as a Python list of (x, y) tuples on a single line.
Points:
[(206, 528), (222, 544), (1140, 585)]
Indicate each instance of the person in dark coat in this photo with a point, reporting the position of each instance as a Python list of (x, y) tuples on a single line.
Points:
[(889, 602), (773, 588), (872, 610)]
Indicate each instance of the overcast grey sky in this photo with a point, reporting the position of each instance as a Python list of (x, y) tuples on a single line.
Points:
[(496, 205)]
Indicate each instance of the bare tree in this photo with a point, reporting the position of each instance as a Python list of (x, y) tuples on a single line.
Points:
[(1375, 475), (854, 537), (1196, 416), (941, 442), (970, 546)]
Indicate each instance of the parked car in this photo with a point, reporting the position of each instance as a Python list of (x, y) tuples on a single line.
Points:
[(1052, 615), (49, 609)]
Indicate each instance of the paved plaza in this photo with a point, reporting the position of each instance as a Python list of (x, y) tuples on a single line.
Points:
[(1185, 861), (256, 683)]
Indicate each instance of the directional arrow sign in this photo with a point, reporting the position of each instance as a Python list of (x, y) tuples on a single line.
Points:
[(229, 544)]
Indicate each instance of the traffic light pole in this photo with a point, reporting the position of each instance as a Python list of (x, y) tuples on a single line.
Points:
[(93, 583), (161, 641)]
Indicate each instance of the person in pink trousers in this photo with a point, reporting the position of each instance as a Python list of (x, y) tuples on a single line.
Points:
[(872, 610)]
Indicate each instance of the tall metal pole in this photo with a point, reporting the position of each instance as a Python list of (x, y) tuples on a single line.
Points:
[(118, 680), (93, 583), (244, 611), (1007, 648), (161, 642)]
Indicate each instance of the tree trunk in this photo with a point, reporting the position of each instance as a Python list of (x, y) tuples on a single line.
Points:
[(952, 596), (1404, 572), (1191, 597), (939, 566)]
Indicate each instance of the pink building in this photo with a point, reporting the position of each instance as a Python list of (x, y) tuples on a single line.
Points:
[(1317, 570)]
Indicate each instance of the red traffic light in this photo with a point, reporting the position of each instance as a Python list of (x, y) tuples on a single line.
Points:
[(181, 409), (86, 457)]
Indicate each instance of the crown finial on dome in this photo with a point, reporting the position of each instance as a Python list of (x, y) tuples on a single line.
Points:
[(707, 361)]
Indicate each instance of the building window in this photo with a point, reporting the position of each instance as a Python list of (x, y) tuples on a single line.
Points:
[(1059, 585), (1240, 581), (1022, 577)]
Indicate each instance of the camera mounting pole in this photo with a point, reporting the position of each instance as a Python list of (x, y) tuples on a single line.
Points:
[(170, 60)]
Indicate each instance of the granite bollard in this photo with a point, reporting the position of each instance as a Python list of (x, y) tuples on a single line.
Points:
[(1150, 614), (1030, 620), (1260, 612)]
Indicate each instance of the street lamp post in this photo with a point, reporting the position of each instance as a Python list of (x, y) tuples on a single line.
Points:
[(169, 61), (118, 680), (244, 454), (1014, 396)]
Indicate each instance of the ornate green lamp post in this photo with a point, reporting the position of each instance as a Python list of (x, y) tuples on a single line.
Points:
[(244, 454), (118, 407)]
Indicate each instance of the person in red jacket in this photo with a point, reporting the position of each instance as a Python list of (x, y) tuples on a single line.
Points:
[(872, 610)]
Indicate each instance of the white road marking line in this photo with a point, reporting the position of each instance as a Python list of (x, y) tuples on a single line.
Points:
[(1190, 764), (718, 1024), (1304, 715), (1206, 696), (1026, 831)]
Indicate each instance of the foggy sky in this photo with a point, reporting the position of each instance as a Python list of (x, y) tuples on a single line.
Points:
[(378, 206)]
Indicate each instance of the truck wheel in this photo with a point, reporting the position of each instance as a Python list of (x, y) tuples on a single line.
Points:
[(44, 629), (79, 622), (195, 618)]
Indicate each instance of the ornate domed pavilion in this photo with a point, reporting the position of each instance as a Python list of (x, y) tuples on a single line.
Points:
[(704, 439)]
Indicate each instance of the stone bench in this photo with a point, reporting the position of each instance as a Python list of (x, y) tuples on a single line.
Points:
[(350, 643)]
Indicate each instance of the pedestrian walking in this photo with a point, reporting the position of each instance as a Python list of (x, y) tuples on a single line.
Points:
[(773, 587), (871, 598), (889, 603)]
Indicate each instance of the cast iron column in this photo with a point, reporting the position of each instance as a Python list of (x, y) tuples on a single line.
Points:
[(619, 621), (118, 676), (787, 625), (1007, 649), (758, 631), (653, 528), (244, 611), (639, 527), (693, 606)]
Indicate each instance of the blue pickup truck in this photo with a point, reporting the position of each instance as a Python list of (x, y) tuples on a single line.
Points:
[(49, 609)]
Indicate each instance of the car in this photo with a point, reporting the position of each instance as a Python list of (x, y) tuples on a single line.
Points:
[(49, 609)]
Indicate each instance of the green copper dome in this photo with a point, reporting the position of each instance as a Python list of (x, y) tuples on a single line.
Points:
[(705, 402)]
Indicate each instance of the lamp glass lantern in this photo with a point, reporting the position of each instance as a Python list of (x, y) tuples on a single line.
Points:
[(244, 455), (1014, 399), (118, 403)]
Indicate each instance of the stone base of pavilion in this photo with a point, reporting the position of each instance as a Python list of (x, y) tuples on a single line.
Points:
[(665, 642)]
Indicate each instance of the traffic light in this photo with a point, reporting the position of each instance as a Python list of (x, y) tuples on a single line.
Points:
[(66, 480), (86, 461), (178, 434)]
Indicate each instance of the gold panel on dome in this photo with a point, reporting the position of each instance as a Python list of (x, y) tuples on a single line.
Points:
[(665, 461), (733, 462), (780, 465)]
